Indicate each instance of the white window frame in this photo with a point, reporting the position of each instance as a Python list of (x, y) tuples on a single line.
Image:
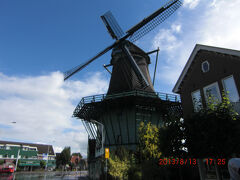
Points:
[(218, 91), (234, 84), (196, 110)]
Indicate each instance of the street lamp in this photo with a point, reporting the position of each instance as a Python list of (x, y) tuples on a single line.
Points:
[(14, 122), (47, 157)]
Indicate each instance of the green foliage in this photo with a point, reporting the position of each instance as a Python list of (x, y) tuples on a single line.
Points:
[(1, 161), (119, 163), (58, 159), (135, 171), (118, 168), (148, 141), (64, 157), (42, 164), (213, 131), (214, 106), (171, 135)]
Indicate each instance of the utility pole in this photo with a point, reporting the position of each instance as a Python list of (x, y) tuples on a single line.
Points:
[(17, 158), (47, 159)]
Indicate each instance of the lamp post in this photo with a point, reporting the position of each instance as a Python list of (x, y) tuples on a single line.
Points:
[(47, 159), (17, 158), (47, 156), (14, 122)]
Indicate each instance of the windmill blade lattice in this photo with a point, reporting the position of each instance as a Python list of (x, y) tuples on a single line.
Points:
[(74, 70), (164, 12)]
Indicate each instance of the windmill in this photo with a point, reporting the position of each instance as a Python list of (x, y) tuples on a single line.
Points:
[(133, 34), (131, 97)]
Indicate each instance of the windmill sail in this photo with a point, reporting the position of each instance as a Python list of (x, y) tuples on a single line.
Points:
[(74, 70), (112, 26), (149, 23), (133, 34)]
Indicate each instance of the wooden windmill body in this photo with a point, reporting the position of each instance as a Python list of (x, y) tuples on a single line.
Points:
[(112, 119)]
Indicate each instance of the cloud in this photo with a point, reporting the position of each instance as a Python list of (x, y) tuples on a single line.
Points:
[(214, 23), (42, 106), (167, 39), (191, 4)]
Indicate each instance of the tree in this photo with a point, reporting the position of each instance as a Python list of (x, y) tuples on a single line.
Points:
[(64, 157), (213, 131), (119, 163), (42, 164), (148, 141), (118, 168), (171, 136)]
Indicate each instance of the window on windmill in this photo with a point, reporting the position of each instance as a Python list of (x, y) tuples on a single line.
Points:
[(197, 100), (212, 93), (230, 88)]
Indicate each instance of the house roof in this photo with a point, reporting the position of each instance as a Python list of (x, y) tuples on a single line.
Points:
[(42, 148), (197, 48)]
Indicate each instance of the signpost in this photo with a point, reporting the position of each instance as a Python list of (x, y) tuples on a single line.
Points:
[(106, 153), (106, 157)]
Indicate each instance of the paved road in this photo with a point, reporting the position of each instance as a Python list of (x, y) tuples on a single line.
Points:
[(45, 176)]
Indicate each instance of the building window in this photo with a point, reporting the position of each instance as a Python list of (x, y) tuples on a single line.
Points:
[(25, 149), (197, 100), (230, 88), (212, 92), (205, 66)]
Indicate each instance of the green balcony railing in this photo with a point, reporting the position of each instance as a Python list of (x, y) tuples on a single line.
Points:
[(101, 97)]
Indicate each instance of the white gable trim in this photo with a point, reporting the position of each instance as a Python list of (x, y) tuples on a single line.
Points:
[(192, 56)]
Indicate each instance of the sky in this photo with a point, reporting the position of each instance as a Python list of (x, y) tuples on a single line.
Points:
[(41, 39)]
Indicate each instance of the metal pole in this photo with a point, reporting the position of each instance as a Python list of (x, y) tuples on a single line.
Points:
[(17, 159), (106, 170), (155, 66), (47, 159)]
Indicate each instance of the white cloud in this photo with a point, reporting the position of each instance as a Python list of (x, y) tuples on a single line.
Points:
[(42, 106), (166, 39), (191, 4), (214, 23)]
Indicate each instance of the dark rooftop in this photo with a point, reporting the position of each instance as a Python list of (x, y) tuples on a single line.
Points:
[(42, 148)]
